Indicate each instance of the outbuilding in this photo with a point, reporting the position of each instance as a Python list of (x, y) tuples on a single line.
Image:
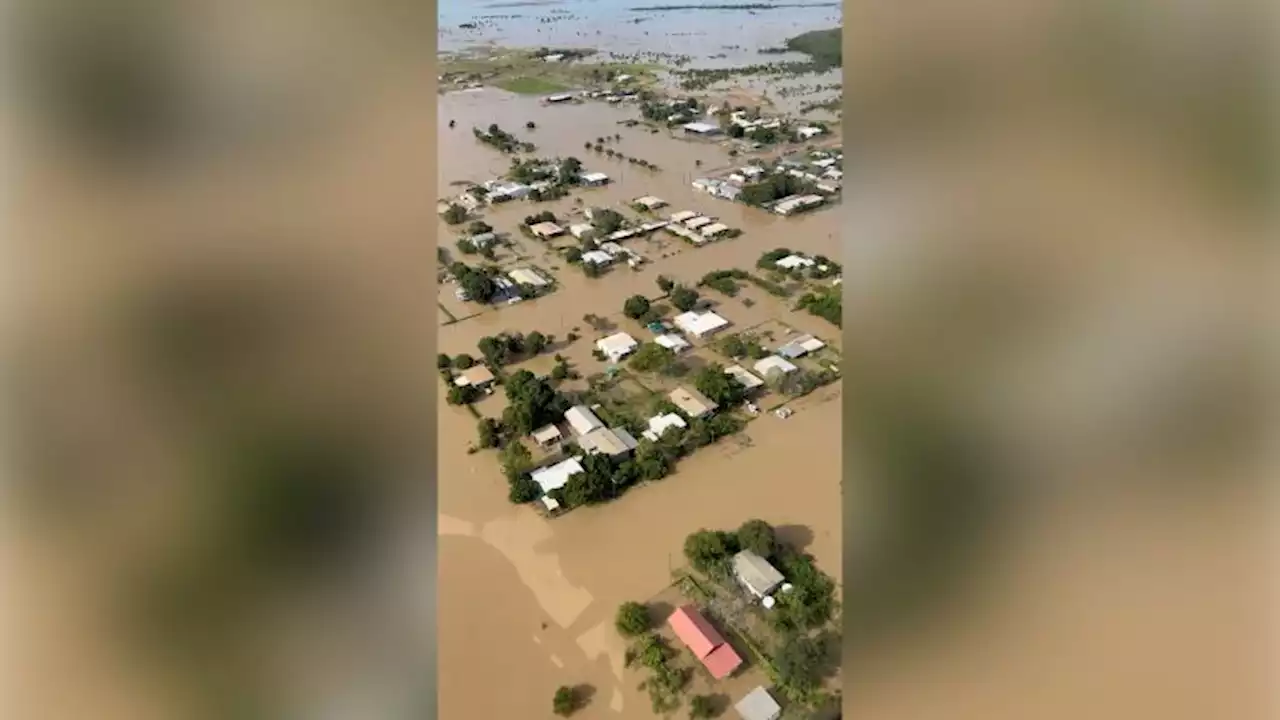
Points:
[(704, 641), (617, 346), (756, 574), (758, 705), (594, 179), (582, 420)]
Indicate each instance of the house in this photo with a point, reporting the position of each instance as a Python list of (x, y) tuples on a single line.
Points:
[(672, 342), (824, 162), (829, 188), (744, 378), (698, 222), (809, 131), (579, 230), (594, 179), (752, 171), (617, 346), (623, 234), (714, 230), (796, 348), (554, 57), (727, 192), (650, 202), (476, 376), (682, 216), (758, 705), (701, 128), (612, 248), (792, 262), (659, 424), (546, 230), (555, 476), (528, 276), (704, 641), (706, 185), (691, 402), (608, 441), (597, 257), (582, 420), (700, 325), (774, 364), (756, 574), (547, 435), (483, 240), (792, 205), (506, 191)]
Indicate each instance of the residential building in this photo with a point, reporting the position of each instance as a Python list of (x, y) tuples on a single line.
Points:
[(546, 230), (776, 365), (727, 192), (579, 230), (701, 128), (597, 257), (528, 276), (582, 420), (608, 441), (744, 378), (791, 262), (476, 376), (612, 248), (617, 346), (506, 191), (758, 705), (793, 205), (650, 202), (682, 216), (554, 57), (706, 185), (594, 179), (547, 435), (672, 342), (714, 230), (756, 574), (700, 325), (698, 222), (809, 131), (704, 641), (555, 476), (691, 402), (659, 424), (483, 240)]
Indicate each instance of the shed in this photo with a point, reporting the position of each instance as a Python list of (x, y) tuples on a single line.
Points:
[(555, 476), (704, 641), (756, 574), (546, 230), (744, 378), (594, 179), (691, 402), (528, 276), (547, 435), (674, 343), (582, 420), (597, 257), (617, 346), (758, 705), (477, 376)]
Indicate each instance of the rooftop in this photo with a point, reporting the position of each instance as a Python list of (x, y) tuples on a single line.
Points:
[(608, 441), (701, 128), (597, 257), (714, 229), (758, 705), (476, 375), (756, 573), (697, 222), (546, 229), (683, 215), (616, 345), (775, 364), (674, 343), (555, 476), (651, 202), (582, 420), (692, 402), (528, 276), (661, 423), (744, 378), (546, 434), (699, 324)]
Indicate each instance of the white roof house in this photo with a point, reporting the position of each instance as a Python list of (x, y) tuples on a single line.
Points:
[(809, 131), (612, 248), (546, 435), (659, 424), (700, 324), (617, 346), (714, 229), (695, 223), (528, 276), (555, 476), (672, 342), (744, 378), (701, 128), (597, 257), (791, 262), (774, 364), (790, 205), (651, 202), (582, 420), (825, 162), (758, 705), (594, 178), (683, 215), (579, 229)]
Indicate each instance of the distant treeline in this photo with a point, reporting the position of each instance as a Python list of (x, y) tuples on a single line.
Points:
[(824, 46), (735, 6)]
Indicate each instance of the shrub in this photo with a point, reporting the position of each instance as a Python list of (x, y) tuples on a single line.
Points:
[(632, 619)]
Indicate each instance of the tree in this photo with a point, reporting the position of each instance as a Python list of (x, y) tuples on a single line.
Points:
[(685, 299), (799, 663), (523, 489), (454, 214), (516, 460), (535, 343), (463, 361), (487, 432), (565, 701), (478, 286), (664, 283), (632, 619), (479, 227), (570, 168), (443, 362), (635, 307), (531, 125), (709, 551), (712, 381), (651, 357), (735, 131), (702, 707), (757, 536), (606, 220), (652, 460), (733, 346), (462, 394), (494, 350)]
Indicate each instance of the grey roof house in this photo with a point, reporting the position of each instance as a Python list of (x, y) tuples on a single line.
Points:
[(758, 705), (756, 574)]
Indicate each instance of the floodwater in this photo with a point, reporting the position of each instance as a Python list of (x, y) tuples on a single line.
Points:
[(532, 600)]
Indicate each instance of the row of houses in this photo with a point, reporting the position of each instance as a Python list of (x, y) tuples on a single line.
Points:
[(507, 288), (696, 227)]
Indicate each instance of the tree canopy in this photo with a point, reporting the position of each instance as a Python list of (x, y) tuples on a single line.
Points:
[(454, 214), (632, 619), (635, 307), (709, 551), (757, 536), (712, 381), (684, 298)]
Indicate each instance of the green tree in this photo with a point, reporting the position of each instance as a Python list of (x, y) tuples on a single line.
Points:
[(651, 357), (462, 395), (635, 307), (463, 361), (573, 255), (632, 619), (516, 460), (443, 362), (709, 551), (712, 381), (454, 214), (478, 286), (606, 220), (523, 489), (494, 350), (664, 283), (479, 227), (757, 536), (733, 346), (535, 343), (799, 663), (565, 701), (702, 707), (487, 432), (736, 131), (570, 169), (684, 298)]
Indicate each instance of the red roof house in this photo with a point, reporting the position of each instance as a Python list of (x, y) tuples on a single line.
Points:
[(703, 640)]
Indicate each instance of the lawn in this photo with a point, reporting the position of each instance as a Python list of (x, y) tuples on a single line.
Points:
[(530, 85)]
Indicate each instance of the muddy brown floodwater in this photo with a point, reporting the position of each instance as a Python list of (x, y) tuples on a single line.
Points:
[(531, 600)]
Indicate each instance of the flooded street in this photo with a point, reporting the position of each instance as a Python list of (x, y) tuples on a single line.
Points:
[(537, 597)]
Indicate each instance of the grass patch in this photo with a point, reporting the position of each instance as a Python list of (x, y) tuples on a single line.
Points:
[(530, 85)]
